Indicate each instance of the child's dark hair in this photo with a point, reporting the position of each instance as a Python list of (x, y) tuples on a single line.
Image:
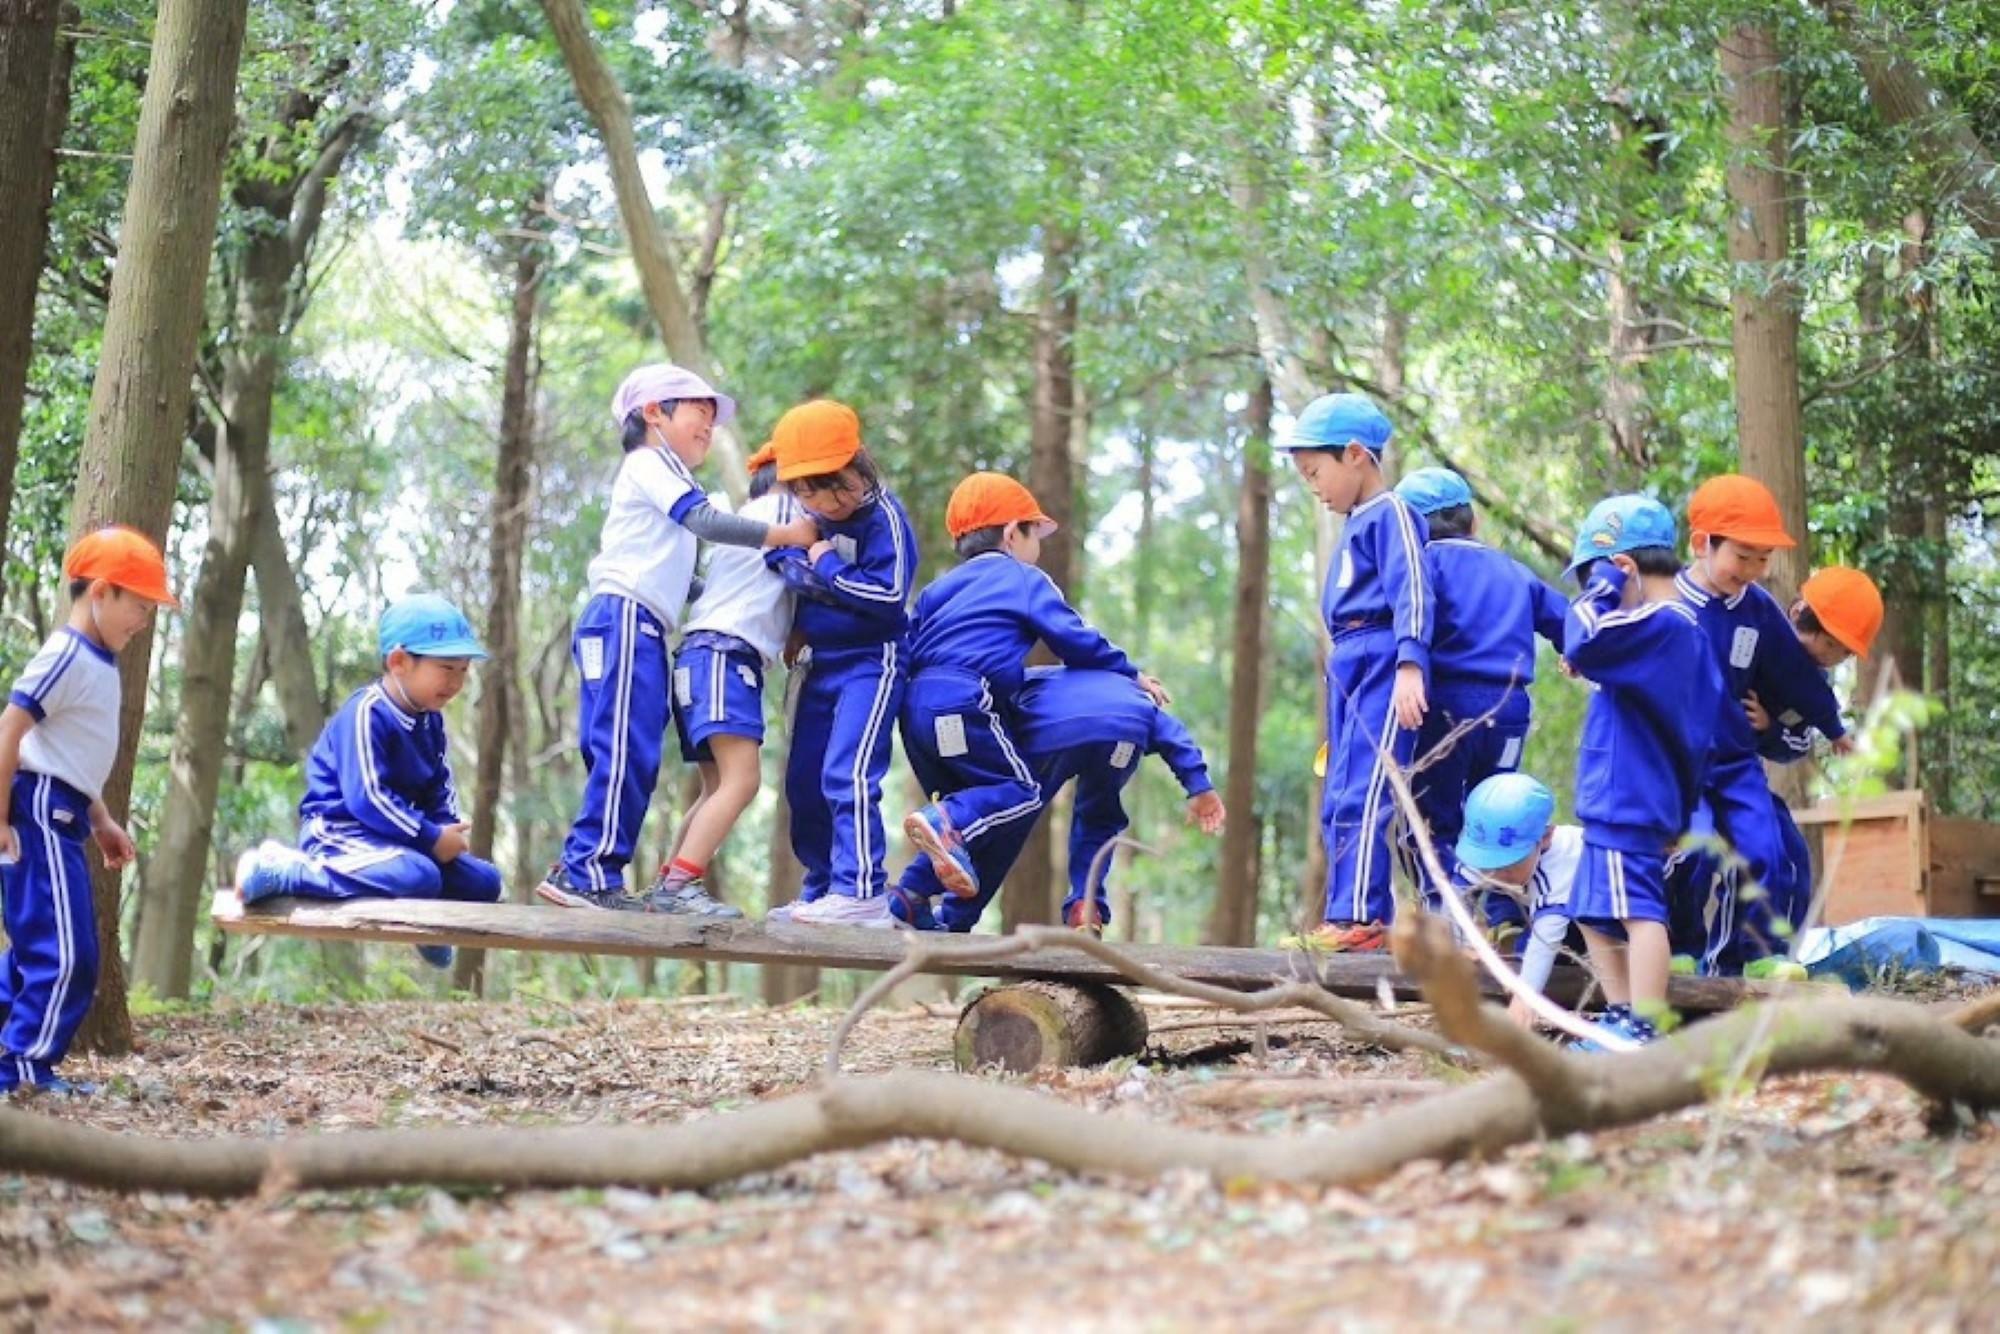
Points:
[(762, 480), (1806, 621), (78, 588), (635, 423), (860, 465), (980, 541), (1656, 561), (1451, 521)]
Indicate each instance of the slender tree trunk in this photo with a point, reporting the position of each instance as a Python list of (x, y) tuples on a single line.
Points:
[(1763, 298), (34, 107), (1233, 918), (281, 612), (139, 404), (1029, 892), (513, 479), (659, 277), (785, 983)]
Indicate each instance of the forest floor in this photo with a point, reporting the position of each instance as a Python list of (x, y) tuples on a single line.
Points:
[(1826, 1202)]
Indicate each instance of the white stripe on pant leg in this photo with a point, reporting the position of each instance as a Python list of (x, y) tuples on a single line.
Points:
[(1364, 864), (65, 926), (864, 844), (621, 712), (717, 661), (1022, 773)]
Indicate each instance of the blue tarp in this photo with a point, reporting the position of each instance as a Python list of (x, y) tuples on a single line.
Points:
[(1913, 944)]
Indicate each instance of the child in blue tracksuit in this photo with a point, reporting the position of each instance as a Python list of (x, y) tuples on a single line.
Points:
[(1093, 728), (1645, 746), (639, 583), (380, 818), (1489, 608), (854, 590), (969, 641), (1735, 526), (1378, 610), (58, 742)]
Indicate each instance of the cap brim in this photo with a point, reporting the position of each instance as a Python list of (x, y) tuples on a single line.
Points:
[(1482, 858), (1775, 538)]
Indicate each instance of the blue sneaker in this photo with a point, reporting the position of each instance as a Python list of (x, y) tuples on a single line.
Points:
[(56, 1086), (930, 831), (912, 910), (1619, 1020), (437, 956), (271, 869), (559, 889)]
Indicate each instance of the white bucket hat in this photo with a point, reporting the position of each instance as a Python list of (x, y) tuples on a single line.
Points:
[(662, 382)]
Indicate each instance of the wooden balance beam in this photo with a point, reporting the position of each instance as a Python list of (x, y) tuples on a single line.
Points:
[(509, 926)]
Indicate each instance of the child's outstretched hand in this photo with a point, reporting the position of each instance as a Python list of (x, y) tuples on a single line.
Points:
[(1152, 686), (114, 843), (1411, 705), (800, 532), (1206, 812), (451, 842), (1753, 708)]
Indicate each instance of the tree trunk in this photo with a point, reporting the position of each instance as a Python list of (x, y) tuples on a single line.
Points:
[(139, 404), (1233, 918), (34, 107), (597, 88), (287, 211), (281, 612), (785, 983), (1029, 892), (513, 478), (1763, 299)]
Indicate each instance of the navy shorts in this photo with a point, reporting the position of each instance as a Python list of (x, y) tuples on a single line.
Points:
[(1614, 886), (718, 691)]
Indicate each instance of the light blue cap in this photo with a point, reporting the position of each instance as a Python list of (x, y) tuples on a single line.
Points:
[(1505, 818), (1432, 489), (429, 627), (1335, 421), (1621, 524)]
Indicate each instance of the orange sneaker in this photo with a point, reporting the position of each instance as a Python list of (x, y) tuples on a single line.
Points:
[(1342, 938)]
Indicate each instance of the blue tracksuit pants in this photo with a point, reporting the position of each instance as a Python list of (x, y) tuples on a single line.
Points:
[(1498, 715), (842, 732), (349, 864), (49, 971), (957, 742), (1357, 807), (620, 650), (1741, 922)]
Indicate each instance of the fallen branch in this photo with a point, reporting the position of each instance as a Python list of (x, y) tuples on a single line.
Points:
[(1935, 1057)]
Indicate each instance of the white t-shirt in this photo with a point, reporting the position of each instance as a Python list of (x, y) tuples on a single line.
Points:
[(741, 595), (71, 687), (644, 553), (1549, 886)]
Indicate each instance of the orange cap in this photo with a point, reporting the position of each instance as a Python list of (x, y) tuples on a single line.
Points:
[(1739, 508), (1848, 605), (815, 439), (766, 455), (988, 500), (124, 558)]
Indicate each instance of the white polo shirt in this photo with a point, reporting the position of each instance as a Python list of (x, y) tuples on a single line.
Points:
[(644, 552), (741, 595), (71, 687)]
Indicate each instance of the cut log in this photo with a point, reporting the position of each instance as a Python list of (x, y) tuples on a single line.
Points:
[(511, 926), (1048, 1025)]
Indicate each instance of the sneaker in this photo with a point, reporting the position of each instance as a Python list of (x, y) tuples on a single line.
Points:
[(1619, 1020), (56, 1086), (843, 910), (557, 888), (930, 831), (1073, 917), (437, 956), (1777, 968), (783, 912), (687, 898), (912, 911), (1342, 938), (269, 870)]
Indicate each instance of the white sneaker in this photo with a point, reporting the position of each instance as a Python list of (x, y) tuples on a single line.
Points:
[(783, 912), (841, 910)]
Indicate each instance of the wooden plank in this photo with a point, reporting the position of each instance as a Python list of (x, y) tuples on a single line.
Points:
[(1964, 862), (1843, 810), (506, 926)]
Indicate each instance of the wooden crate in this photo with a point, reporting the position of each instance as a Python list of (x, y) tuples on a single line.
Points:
[(1889, 856)]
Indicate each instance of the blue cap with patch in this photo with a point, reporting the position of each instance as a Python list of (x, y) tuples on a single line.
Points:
[(1505, 818), (1621, 524), (426, 625), (1432, 489), (1335, 421)]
